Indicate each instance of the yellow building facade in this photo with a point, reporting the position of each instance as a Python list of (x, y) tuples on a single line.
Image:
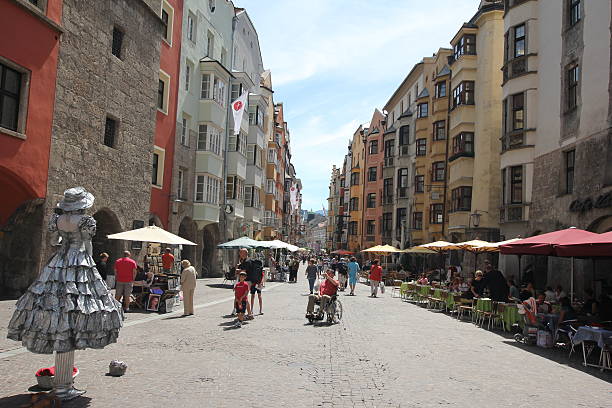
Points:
[(355, 182)]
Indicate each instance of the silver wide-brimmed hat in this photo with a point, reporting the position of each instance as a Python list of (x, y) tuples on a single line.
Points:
[(76, 198)]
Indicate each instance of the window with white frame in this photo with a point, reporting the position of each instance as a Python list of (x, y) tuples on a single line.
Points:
[(157, 173), (251, 154), (271, 156), (207, 189), (210, 44), (200, 188), (270, 186), (209, 139), (192, 29), (248, 196), (167, 17), (236, 92), (163, 92), (205, 86), (219, 91), (185, 131)]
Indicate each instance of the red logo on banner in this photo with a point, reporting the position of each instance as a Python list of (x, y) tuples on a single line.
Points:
[(237, 105)]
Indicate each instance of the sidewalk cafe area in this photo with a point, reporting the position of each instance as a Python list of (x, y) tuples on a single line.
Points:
[(568, 321)]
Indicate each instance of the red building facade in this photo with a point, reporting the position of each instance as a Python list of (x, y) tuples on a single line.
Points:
[(165, 130), (373, 182)]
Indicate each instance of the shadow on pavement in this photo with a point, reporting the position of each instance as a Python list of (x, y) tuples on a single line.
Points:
[(220, 286), (560, 356), (41, 400)]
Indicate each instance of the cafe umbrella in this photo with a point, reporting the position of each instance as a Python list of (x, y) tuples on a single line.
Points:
[(151, 233)]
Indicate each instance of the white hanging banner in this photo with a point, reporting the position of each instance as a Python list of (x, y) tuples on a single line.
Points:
[(293, 196), (238, 110)]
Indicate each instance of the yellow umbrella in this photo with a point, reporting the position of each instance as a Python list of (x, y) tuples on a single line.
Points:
[(383, 249), (440, 246), (418, 250), (493, 246), (475, 245)]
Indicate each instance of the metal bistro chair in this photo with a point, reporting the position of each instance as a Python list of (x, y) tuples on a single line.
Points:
[(465, 307), (488, 315), (443, 298), (397, 284)]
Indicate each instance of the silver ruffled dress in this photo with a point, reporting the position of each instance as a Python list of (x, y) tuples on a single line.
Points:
[(68, 307)]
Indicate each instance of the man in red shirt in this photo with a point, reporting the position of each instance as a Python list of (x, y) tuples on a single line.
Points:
[(328, 288), (241, 292), (167, 261), (375, 277), (125, 273)]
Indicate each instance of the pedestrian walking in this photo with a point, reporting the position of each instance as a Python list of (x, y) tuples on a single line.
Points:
[(125, 272), (375, 277), (241, 293), (342, 274), (294, 266), (103, 269), (167, 260), (353, 272), (311, 274), (189, 278)]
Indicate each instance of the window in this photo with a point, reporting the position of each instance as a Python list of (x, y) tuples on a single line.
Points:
[(230, 192), (191, 27), (223, 56), (518, 112), (419, 184), (387, 222), (10, 97), (574, 13), (388, 189), (187, 75), (117, 42), (465, 46), (417, 220), (210, 44), (270, 186), (519, 40), (219, 91), (421, 147), (422, 110), (463, 143), (404, 135), (185, 132), (440, 91), (202, 137), (400, 217), (207, 189), (389, 148), (439, 130), (570, 158), (167, 17), (436, 212), (573, 77), (463, 94), (155, 169), (162, 92), (236, 92), (354, 204), (371, 201), (110, 132), (504, 186), (461, 199), (372, 174), (516, 184), (402, 183), (352, 228), (209, 139), (437, 171), (251, 154), (205, 87), (200, 188), (371, 227), (238, 143), (180, 190), (354, 179), (271, 155)]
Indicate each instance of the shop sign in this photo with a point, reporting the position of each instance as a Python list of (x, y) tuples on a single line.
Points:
[(587, 204)]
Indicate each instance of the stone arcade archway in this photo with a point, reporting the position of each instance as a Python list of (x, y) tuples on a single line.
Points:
[(188, 230), (210, 240), (107, 223)]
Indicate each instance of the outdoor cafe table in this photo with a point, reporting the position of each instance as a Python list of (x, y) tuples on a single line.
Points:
[(484, 305), (602, 337), (510, 316), (450, 298)]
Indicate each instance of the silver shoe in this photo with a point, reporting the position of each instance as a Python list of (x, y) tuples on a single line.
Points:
[(69, 393)]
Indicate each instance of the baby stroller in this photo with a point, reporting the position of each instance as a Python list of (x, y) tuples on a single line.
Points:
[(333, 311), (529, 335)]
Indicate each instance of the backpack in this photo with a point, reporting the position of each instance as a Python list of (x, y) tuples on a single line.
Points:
[(257, 269)]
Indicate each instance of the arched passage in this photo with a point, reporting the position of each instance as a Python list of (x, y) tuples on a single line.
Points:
[(601, 225), (188, 230), (210, 240), (106, 223)]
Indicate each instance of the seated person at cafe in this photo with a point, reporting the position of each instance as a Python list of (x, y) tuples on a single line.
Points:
[(478, 285), (567, 311), (550, 294), (543, 306), (528, 291), (559, 293), (590, 304), (513, 290), (454, 286), (495, 282), (423, 279), (328, 288), (463, 285)]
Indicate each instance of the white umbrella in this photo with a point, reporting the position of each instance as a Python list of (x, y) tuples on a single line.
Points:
[(278, 244), (242, 242), (151, 234)]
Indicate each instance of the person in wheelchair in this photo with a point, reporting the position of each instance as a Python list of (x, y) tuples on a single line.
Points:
[(328, 288)]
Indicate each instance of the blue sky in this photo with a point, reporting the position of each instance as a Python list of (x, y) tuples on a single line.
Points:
[(334, 61)]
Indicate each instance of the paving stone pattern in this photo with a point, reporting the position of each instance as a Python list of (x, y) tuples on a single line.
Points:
[(384, 353)]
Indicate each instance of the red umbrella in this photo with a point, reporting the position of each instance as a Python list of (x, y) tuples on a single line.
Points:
[(546, 244), (598, 245), (343, 252)]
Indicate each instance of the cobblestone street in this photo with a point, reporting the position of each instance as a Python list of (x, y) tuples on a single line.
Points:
[(383, 353)]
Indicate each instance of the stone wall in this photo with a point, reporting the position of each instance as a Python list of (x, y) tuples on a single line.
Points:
[(93, 83)]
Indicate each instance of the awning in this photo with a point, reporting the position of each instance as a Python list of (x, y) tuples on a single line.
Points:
[(590, 246), (151, 234), (546, 244)]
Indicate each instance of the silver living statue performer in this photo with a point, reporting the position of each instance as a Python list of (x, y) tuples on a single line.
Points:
[(68, 307)]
